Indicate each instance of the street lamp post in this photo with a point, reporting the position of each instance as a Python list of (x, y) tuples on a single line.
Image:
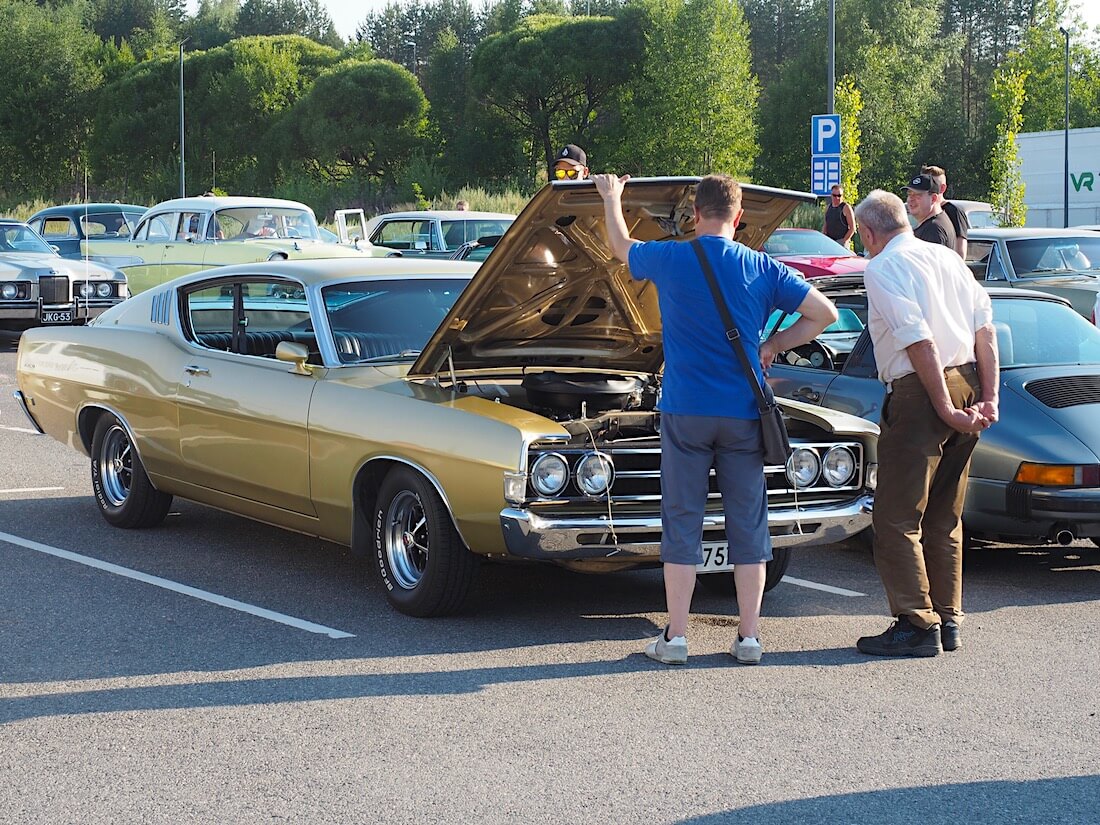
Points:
[(183, 184), (832, 55), (416, 65), (1065, 182)]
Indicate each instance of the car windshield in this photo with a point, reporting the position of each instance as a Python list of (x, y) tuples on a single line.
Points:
[(1039, 333), (246, 223), (18, 237), (803, 242), (1032, 257), (387, 320), (847, 321)]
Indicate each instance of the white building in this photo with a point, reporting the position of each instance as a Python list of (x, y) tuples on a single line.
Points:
[(1042, 161)]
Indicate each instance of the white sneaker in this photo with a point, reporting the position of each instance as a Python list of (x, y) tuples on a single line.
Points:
[(672, 651), (747, 651)]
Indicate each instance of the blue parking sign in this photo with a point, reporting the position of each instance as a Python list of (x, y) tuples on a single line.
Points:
[(825, 135), (824, 153)]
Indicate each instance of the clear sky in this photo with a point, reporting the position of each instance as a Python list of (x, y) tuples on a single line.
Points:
[(348, 14)]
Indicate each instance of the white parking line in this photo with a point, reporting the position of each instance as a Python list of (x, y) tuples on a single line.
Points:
[(20, 430), (828, 588), (176, 587), (31, 490)]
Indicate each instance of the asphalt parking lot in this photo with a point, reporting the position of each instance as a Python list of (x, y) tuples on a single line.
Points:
[(217, 670)]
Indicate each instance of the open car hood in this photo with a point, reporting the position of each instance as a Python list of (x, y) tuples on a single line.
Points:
[(552, 295)]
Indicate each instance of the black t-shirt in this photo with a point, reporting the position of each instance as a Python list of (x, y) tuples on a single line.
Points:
[(958, 220), (937, 229)]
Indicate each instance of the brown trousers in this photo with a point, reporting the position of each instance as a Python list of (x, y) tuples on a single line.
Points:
[(923, 465)]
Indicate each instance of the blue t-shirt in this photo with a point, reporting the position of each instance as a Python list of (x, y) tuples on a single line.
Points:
[(702, 374)]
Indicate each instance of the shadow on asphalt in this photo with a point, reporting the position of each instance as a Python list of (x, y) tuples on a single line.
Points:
[(1071, 799), (60, 620)]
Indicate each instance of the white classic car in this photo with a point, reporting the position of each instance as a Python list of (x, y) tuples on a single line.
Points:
[(187, 235)]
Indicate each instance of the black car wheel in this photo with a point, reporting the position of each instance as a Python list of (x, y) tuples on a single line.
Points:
[(724, 583), (424, 566), (125, 496)]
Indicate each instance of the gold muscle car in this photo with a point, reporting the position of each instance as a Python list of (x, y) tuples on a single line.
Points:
[(192, 234), (424, 415)]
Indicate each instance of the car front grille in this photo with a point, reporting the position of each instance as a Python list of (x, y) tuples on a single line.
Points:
[(638, 478), (1069, 391), (54, 289)]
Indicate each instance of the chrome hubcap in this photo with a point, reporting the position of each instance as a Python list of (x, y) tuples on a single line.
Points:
[(406, 539), (116, 468)]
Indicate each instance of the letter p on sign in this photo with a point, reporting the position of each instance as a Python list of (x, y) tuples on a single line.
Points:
[(826, 135)]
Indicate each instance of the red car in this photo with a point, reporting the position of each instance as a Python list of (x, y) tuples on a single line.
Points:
[(813, 254)]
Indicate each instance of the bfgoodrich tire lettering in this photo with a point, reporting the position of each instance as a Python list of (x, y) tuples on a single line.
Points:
[(125, 496), (421, 560)]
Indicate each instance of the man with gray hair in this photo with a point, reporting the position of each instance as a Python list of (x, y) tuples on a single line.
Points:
[(931, 325)]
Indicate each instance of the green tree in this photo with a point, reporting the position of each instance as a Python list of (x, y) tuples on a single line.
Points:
[(360, 121), (303, 17), (50, 65), (214, 24), (554, 78), (700, 118), (1006, 186), (849, 105)]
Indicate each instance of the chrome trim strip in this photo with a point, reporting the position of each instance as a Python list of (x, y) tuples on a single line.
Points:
[(22, 399), (529, 535)]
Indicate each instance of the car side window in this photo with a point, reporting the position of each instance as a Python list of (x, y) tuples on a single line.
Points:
[(211, 317), (158, 228), (189, 226), (251, 317), (977, 257), (57, 227), (996, 269), (861, 363), (405, 234)]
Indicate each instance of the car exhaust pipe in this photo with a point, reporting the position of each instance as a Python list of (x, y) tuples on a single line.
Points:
[(1065, 536)]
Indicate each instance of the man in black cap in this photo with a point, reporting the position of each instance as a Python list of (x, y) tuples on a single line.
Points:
[(571, 163), (923, 200), (957, 216)]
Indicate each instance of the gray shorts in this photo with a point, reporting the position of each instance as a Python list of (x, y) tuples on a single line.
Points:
[(690, 446)]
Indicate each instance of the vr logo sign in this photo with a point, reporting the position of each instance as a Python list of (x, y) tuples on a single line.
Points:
[(824, 153)]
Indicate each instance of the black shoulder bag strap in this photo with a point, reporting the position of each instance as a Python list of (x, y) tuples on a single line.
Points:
[(763, 402)]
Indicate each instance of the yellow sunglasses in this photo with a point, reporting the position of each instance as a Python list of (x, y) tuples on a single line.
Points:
[(562, 174)]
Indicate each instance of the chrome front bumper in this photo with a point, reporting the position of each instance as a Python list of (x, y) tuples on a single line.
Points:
[(532, 536)]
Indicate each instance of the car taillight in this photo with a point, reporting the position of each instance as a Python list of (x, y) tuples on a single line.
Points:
[(1059, 475)]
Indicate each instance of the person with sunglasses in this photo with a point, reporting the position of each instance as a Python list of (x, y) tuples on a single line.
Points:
[(840, 221), (571, 163)]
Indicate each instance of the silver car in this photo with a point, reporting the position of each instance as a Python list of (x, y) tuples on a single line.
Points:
[(1035, 477), (39, 287), (1063, 262)]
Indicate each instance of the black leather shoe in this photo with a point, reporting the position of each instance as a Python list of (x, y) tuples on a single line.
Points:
[(902, 638), (949, 635)]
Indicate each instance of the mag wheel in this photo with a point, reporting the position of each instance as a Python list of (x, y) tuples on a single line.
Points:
[(125, 496)]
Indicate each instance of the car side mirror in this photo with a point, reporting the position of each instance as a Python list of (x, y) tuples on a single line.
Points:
[(55, 248), (294, 353)]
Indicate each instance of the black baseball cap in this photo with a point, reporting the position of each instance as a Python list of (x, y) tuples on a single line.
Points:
[(573, 153), (922, 183)]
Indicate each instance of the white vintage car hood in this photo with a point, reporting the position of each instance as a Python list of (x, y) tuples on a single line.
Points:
[(31, 264), (552, 295)]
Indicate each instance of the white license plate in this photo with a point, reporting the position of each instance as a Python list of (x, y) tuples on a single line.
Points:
[(63, 316), (716, 558)]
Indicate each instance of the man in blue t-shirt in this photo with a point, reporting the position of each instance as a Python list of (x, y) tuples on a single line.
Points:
[(709, 416)]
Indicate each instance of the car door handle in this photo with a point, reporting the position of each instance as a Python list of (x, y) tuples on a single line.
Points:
[(196, 370), (806, 394)]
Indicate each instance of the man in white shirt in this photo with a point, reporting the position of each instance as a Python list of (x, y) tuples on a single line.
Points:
[(932, 329)]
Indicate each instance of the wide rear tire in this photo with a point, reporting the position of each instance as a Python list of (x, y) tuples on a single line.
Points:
[(424, 565), (125, 496)]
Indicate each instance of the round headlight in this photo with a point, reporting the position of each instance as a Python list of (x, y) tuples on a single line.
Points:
[(594, 474), (9, 291), (104, 289), (549, 474), (839, 466), (86, 289), (803, 468)]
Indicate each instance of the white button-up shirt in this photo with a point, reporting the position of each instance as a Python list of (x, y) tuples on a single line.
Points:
[(919, 291)]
